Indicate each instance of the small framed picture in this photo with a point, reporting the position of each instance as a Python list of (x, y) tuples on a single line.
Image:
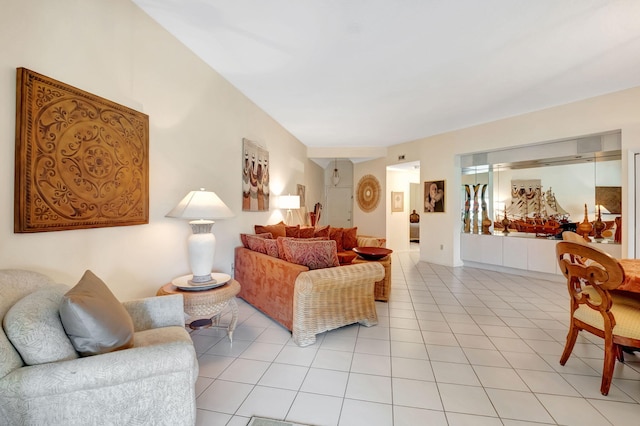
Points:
[(434, 196), (397, 201)]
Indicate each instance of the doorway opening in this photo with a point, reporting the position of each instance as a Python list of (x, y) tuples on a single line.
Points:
[(403, 224)]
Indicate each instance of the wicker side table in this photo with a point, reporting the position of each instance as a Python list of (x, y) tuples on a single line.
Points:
[(205, 306), (383, 287)]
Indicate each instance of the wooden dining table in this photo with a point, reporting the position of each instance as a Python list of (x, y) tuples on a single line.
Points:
[(631, 284), (632, 275)]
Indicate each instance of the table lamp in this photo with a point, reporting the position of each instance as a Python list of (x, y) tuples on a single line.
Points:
[(289, 202), (201, 207)]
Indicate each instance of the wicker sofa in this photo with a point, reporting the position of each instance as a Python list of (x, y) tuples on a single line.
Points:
[(308, 302), (151, 383)]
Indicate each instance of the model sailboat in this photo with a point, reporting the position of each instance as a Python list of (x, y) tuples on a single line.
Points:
[(533, 210)]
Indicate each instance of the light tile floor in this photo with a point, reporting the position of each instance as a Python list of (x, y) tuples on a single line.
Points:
[(454, 346)]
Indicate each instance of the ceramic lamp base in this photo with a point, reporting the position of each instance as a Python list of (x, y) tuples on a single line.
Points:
[(202, 248)]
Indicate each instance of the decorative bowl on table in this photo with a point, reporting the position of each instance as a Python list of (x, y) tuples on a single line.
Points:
[(185, 283), (372, 253)]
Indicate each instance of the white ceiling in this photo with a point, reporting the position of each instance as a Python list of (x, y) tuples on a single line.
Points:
[(374, 73)]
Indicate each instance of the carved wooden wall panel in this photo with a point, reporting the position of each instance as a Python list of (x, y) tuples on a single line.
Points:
[(81, 160)]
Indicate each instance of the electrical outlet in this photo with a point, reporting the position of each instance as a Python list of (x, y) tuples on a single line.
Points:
[(232, 266), (441, 246)]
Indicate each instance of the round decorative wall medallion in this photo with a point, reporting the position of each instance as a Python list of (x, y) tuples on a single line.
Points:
[(368, 193)]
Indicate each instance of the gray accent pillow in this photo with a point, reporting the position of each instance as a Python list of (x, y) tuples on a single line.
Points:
[(95, 321), (33, 326)]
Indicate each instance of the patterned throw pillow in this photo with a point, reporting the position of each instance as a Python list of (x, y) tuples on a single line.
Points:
[(277, 230), (245, 243), (312, 254), (281, 253), (263, 245), (336, 235), (349, 238), (272, 247), (34, 328)]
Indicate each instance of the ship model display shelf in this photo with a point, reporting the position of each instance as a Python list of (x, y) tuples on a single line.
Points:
[(532, 211)]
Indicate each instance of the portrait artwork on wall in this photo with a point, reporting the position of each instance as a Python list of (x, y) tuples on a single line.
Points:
[(397, 201), (81, 160), (434, 196), (301, 193), (255, 177), (303, 215)]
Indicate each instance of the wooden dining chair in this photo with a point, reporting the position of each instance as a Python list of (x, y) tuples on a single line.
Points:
[(593, 308), (572, 236)]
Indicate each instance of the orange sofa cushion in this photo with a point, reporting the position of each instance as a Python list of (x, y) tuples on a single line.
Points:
[(277, 230)]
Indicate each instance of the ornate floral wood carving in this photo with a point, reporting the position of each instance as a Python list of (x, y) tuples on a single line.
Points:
[(81, 160), (368, 193)]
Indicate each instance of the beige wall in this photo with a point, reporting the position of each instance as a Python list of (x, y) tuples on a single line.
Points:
[(438, 157), (197, 122), (397, 223)]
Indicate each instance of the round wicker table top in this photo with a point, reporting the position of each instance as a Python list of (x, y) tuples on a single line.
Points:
[(195, 300)]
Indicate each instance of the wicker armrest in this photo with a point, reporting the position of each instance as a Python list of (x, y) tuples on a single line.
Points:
[(330, 298)]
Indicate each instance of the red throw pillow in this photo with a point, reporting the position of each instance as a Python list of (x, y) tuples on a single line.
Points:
[(349, 239), (312, 254), (307, 232), (335, 234), (277, 230), (292, 231), (322, 232)]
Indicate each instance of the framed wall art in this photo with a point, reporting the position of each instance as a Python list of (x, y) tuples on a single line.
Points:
[(302, 211), (81, 161), (302, 194), (397, 201), (434, 196), (610, 197), (255, 177)]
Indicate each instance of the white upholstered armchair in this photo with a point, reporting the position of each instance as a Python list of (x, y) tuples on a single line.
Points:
[(43, 381)]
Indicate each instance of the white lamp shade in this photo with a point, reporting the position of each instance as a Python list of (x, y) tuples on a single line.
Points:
[(289, 202), (201, 205)]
